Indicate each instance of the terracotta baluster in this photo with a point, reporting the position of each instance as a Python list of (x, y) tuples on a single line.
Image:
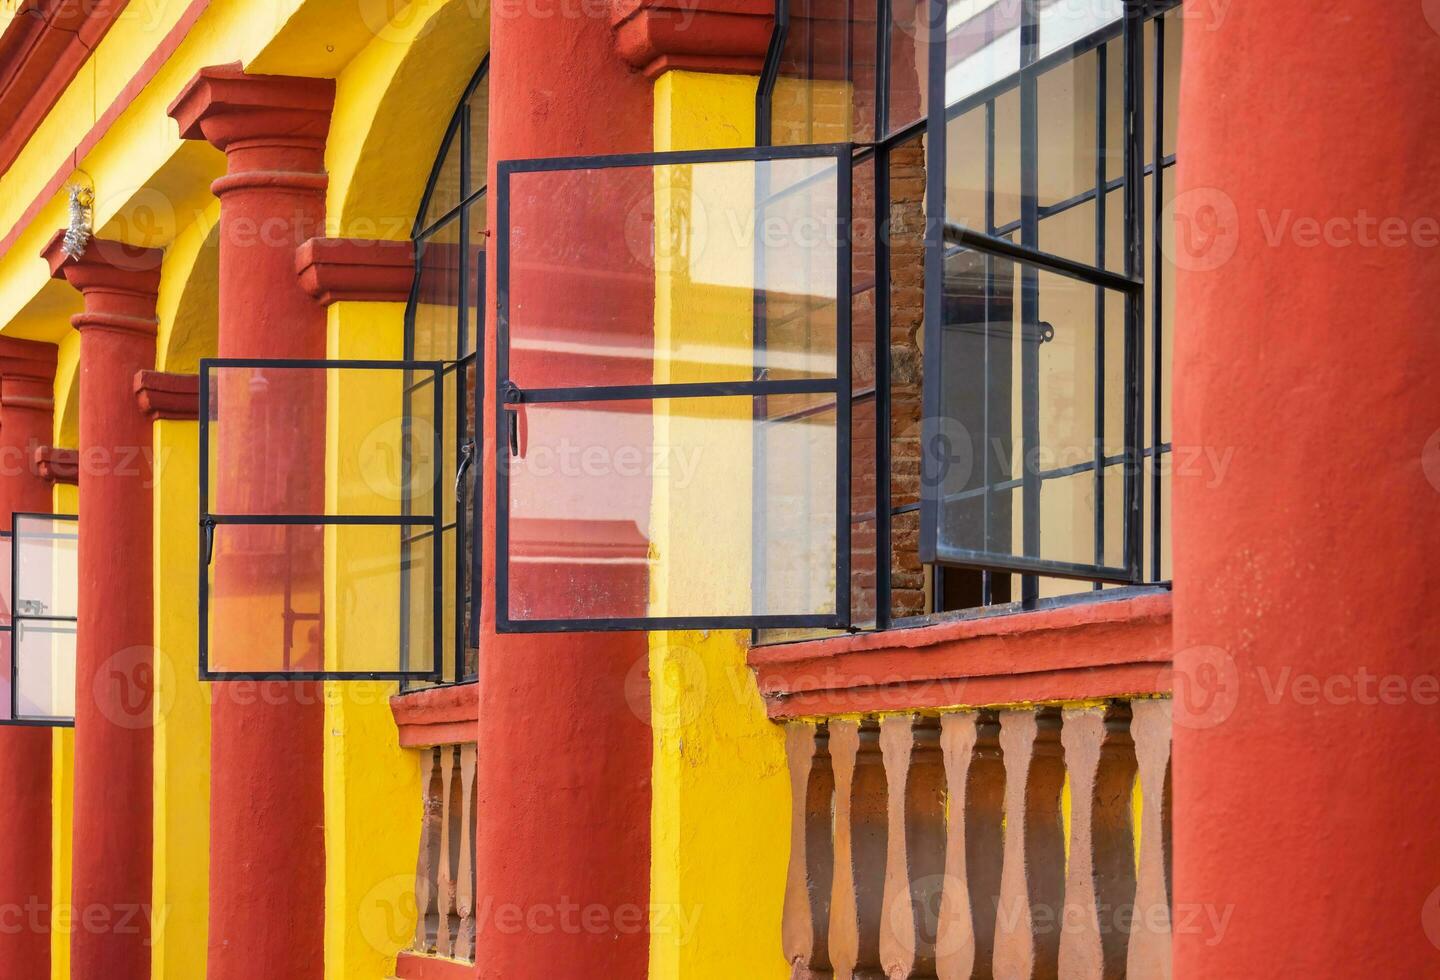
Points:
[(427, 864), (915, 853), (975, 778), (860, 829), (805, 922), (465, 882), (449, 853), (1100, 879), (1149, 952), (1032, 882)]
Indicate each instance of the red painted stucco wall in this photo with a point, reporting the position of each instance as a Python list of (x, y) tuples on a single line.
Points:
[(1307, 350), (563, 791)]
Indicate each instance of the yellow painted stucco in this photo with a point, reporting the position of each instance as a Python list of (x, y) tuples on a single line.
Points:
[(181, 867), (720, 808), (62, 798), (372, 786)]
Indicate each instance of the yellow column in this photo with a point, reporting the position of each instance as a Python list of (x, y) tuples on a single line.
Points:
[(180, 919), (62, 805), (720, 810), (372, 786)]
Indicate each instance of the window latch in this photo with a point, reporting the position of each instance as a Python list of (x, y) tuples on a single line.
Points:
[(467, 457), (514, 398), (208, 523)]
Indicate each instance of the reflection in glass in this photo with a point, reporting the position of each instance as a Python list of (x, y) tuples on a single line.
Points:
[(617, 509), (606, 265)]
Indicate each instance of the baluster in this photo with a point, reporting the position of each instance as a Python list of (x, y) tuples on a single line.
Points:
[(1101, 876), (1032, 882), (449, 849), (975, 778), (860, 827), (915, 855), (465, 903), (804, 926), (1149, 953), (427, 865)]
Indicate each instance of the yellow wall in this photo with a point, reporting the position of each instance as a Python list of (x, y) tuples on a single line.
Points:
[(182, 716), (62, 806), (720, 811), (372, 786)]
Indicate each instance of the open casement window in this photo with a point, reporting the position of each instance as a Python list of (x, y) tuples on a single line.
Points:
[(320, 507), (41, 608), (1036, 277), (673, 444)]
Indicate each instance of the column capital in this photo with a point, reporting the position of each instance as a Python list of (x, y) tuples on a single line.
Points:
[(57, 465), (119, 282), (367, 270), (272, 128), (27, 375), (729, 36), (163, 395)]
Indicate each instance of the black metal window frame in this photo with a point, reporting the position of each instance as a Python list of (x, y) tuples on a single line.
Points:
[(940, 234), (469, 523), (16, 618), (508, 396), (210, 521)]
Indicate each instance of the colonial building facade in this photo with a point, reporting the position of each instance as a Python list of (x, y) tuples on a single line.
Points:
[(719, 489)]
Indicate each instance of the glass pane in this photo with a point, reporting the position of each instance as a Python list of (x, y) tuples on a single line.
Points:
[(476, 284), (5, 572), (1026, 413), (659, 274), (269, 586), (44, 671), (479, 108), (982, 45), (434, 308), (445, 186), (276, 432), (1066, 22), (909, 58), (618, 508), (7, 644), (46, 569), (825, 87), (986, 170)]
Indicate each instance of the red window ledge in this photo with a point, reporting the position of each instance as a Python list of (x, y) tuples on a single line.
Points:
[(413, 966), (437, 716), (1074, 652)]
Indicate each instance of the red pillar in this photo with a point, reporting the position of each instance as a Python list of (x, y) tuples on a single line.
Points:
[(1306, 575), (574, 831), (27, 385), (112, 828), (267, 837)]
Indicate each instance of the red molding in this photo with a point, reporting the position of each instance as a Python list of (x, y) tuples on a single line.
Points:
[(1090, 650), (413, 966), (437, 716), (729, 36), (58, 465), (368, 270), (162, 395), (41, 52)]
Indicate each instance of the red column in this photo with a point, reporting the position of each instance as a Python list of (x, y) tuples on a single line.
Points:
[(572, 832), (267, 839), (27, 384), (113, 766), (1306, 618)]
